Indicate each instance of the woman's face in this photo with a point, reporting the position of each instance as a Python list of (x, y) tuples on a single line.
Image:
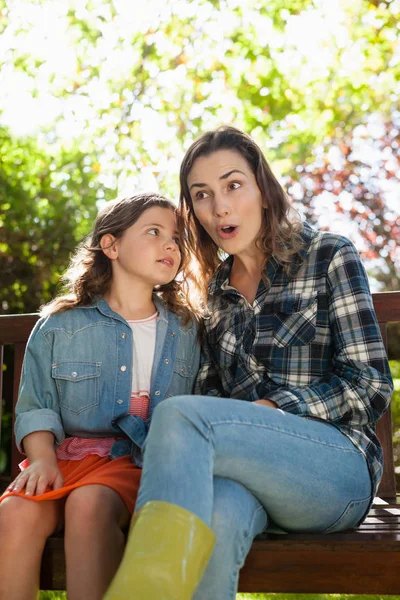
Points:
[(227, 201)]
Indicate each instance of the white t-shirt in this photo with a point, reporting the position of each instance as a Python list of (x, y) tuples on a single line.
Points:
[(144, 342)]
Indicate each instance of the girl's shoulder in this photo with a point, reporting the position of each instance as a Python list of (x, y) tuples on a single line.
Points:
[(185, 325), (70, 318)]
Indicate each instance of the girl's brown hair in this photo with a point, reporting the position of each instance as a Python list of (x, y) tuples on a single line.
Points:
[(281, 236), (89, 274)]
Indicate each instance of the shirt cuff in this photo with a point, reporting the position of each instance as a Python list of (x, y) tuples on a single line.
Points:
[(42, 419), (287, 401)]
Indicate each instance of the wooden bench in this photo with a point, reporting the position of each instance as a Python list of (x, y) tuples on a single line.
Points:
[(361, 561)]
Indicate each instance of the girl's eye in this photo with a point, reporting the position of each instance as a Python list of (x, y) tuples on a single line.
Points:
[(153, 231)]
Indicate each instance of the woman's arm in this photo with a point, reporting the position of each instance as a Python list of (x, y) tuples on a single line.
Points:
[(358, 389), (208, 382)]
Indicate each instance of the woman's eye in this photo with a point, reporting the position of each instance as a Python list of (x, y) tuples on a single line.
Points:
[(235, 185), (201, 195)]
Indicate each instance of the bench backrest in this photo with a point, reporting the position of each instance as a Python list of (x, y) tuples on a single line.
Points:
[(15, 330)]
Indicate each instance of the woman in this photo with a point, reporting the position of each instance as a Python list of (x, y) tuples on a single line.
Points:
[(294, 377)]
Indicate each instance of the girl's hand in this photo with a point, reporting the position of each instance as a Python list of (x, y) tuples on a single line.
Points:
[(37, 477), (266, 402)]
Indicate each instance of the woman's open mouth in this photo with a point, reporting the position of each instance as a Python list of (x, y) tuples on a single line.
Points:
[(227, 231)]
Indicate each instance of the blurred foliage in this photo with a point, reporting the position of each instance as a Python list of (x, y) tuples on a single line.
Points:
[(47, 205), (344, 189)]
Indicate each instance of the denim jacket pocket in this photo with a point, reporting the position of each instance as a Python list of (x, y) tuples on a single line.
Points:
[(183, 368), (77, 384), (294, 321)]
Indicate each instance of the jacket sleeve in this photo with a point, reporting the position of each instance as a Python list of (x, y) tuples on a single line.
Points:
[(358, 389), (38, 406)]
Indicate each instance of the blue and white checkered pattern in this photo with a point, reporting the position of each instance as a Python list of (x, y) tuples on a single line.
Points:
[(310, 342)]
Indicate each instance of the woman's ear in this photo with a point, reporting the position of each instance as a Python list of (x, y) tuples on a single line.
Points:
[(109, 246)]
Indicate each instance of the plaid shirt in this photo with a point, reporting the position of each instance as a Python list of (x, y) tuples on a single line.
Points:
[(310, 342)]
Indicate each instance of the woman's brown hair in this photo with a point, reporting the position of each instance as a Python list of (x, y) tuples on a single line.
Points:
[(89, 274), (281, 236)]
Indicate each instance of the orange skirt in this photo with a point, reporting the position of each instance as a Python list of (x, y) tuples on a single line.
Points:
[(120, 474)]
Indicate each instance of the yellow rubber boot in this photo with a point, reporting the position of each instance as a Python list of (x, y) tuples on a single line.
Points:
[(165, 557)]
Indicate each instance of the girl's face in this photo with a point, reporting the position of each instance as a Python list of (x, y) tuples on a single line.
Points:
[(227, 201), (148, 251)]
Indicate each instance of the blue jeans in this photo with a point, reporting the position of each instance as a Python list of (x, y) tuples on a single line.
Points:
[(241, 467)]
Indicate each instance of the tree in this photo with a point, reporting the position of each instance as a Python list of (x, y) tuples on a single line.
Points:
[(47, 206), (352, 185)]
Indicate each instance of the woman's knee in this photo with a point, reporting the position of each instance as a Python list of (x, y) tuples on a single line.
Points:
[(175, 410)]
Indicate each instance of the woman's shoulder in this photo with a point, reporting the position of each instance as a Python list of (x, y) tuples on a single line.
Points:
[(329, 242)]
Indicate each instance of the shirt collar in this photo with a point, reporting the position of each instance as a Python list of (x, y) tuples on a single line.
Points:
[(105, 309), (220, 280)]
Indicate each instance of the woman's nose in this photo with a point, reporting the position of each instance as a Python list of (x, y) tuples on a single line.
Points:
[(221, 205)]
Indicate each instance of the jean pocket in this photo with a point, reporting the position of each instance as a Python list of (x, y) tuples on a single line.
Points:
[(351, 516)]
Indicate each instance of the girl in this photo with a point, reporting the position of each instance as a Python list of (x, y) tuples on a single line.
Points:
[(100, 359), (295, 363)]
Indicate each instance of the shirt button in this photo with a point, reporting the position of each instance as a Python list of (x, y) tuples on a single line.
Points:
[(123, 368), (157, 393), (74, 374), (123, 335), (172, 333), (119, 401), (166, 361)]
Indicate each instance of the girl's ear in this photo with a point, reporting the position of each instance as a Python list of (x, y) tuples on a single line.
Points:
[(109, 246)]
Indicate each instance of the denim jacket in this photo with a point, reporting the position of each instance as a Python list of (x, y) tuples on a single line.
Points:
[(77, 374)]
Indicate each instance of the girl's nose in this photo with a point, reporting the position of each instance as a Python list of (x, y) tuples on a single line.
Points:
[(172, 244)]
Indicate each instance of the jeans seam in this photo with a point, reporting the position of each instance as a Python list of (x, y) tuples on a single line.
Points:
[(296, 435), (239, 563)]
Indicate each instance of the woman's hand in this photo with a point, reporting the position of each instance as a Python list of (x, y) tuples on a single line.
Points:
[(266, 402), (40, 474)]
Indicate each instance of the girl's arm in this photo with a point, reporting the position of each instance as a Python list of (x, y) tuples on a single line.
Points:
[(38, 402), (43, 470), (38, 423), (358, 389)]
